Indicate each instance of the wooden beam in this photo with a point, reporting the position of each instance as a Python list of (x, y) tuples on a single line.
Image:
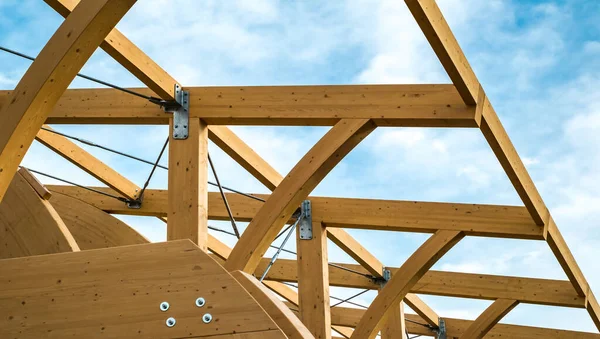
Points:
[(41, 190), (128, 55), (388, 215), (237, 149), (593, 309), (29, 225), (450, 284), (286, 198), (313, 282), (48, 77), (281, 314), (386, 105), (489, 318), (354, 249), (444, 44), (87, 162), (561, 251), (349, 317), (498, 139), (422, 309), (188, 191), (404, 279), (394, 325)]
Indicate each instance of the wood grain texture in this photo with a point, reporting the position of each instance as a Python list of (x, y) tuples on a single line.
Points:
[(444, 44), (49, 75), (188, 191), (41, 190), (281, 314), (120, 289), (386, 105), (313, 282), (297, 185), (422, 309), (29, 225), (93, 228), (394, 325), (489, 318), (355, 250), (404, 279)]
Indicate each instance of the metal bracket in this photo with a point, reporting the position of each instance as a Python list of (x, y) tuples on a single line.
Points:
[(181, 115), (441, 331), (386, 276), (305, 223), (134, 204)]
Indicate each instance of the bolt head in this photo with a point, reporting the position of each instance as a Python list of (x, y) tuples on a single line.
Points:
[(164, 306), (207, 318), (200, 302), (171, 322)]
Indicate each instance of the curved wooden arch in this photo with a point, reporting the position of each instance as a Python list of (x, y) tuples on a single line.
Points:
[(402, 281), (489, 318), (93, 228), (296, 186), (49, 76), (29, 225)]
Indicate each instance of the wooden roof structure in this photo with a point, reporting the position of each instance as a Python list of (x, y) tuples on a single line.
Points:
[(60, 245)]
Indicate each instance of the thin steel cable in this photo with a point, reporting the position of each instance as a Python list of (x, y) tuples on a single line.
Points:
[(141, 195), (331, 296), (233, 235), (93, 144), (233, 225), (352, 297), (152, 99), (78, 185), (418, 323), (351, 270), (287, 237)]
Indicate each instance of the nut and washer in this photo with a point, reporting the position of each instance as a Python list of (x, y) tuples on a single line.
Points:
[(207, 318), (200, 302), (164, 306), (171, 322)]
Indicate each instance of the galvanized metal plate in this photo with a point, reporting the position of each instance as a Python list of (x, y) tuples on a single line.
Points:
[(305, 223)]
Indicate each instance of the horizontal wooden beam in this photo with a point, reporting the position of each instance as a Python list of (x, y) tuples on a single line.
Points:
[(349, 317), (450, 284), (387, 215), (387, 105)]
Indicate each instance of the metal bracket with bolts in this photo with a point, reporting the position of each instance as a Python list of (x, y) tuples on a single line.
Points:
[(181, 115), (305, 224)]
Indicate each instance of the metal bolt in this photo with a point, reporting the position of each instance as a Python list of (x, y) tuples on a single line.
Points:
[(176, 126), (200, 302), (171, 322), (184, 126), (176, 135), (207, 318), (164, 306)]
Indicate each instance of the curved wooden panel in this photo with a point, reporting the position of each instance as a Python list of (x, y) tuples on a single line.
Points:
[(116, 293), (93, 228), (29, 225)]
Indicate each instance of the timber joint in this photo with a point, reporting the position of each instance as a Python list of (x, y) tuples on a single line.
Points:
[(180, 109)]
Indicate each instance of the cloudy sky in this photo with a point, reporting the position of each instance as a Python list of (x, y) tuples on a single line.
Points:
[(537, 60)]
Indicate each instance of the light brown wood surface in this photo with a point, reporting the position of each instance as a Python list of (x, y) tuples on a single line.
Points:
[(29, 225), (188, 191), (116, 293), (313, 282)]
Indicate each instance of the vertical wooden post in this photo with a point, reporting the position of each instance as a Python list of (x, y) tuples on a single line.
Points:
[(188, 193), (394, 327), (313, 282)]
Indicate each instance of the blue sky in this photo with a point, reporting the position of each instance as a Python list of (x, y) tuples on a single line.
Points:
[(537, 60)]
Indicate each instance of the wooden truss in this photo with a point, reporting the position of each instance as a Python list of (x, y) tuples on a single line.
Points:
[(77, 220)]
